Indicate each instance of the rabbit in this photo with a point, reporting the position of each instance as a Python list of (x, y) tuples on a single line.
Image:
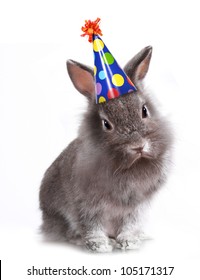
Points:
[(92, 193)]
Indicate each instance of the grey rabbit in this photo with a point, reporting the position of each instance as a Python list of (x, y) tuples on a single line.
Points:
[(94, 190)]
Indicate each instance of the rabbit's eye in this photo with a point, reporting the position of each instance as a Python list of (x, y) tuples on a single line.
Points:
[(144, 112), (107, 125)]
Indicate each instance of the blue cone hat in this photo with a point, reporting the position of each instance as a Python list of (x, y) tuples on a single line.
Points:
[(110, 80)]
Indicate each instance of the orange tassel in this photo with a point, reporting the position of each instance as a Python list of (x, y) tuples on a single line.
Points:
[(90, 28)]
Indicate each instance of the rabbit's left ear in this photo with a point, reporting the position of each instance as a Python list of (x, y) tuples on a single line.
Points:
[(138, 66), (82, 77)]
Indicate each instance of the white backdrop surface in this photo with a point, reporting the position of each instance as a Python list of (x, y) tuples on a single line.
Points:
[(40, 112)]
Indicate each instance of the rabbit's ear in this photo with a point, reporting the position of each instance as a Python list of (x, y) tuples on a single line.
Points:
[(138, 66), (82, 77)]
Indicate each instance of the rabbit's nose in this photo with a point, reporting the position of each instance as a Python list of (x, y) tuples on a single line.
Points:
[(138, 149)]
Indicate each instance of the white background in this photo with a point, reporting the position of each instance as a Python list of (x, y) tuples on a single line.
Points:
[(40, 112)]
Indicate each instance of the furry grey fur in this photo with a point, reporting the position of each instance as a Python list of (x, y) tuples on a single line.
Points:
[(93, 190)]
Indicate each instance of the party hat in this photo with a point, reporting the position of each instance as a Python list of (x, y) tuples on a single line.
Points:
[(110, 80)]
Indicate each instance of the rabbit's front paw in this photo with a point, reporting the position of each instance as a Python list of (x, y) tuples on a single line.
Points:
[(100, 245), (131, 241), (128, 243)]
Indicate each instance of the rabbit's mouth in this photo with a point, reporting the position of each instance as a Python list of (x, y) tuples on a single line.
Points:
[(147, 155), (143, 150), (128, 154), (127, 160), (137, 153)]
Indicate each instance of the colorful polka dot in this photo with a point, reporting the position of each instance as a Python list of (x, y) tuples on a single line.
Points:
[(102, 75), (108, 58), (102, 99), (112, 93), (98, 88), (95, 70), (98, 45), (117, 80)]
